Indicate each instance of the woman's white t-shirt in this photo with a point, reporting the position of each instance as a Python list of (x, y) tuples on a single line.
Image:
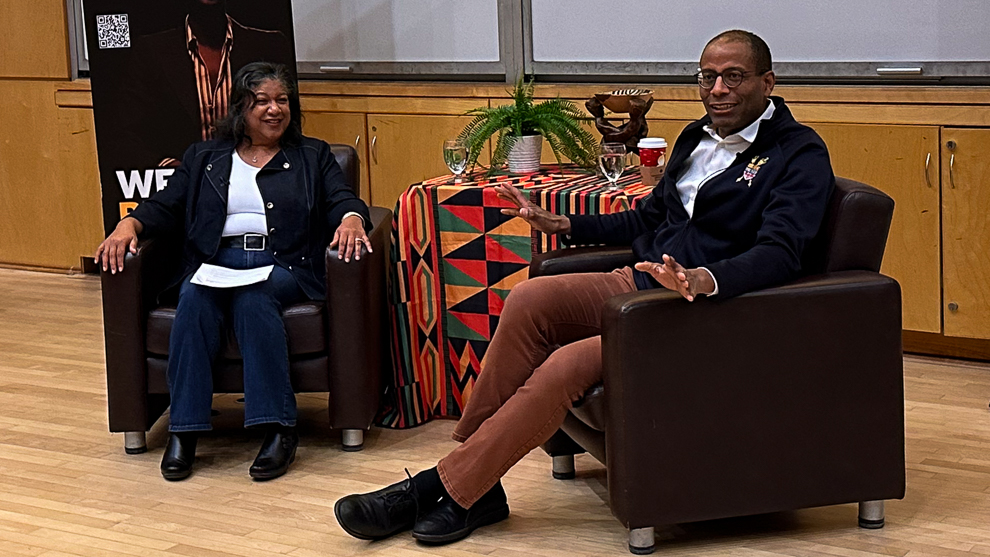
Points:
[(245, 207)]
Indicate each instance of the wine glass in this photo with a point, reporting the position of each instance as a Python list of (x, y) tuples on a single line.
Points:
[(455, 155), (612, 160)]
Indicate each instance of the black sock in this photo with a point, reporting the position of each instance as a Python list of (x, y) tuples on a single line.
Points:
[(428, 486)]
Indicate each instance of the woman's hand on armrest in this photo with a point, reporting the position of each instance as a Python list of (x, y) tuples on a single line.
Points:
[(348, 237), (110, 254)]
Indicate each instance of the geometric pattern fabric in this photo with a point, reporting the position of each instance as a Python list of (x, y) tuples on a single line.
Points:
[(454, 258)]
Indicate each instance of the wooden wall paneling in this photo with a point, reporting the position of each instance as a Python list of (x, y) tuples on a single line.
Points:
[(68, 97), (892, 159), (34, 39), (945, 106), (941, 345), (35, 204), (898, 114), (390, 105), (79, 177), (966, 232), (431, 112), (347, 128), (794, 94), (405, 149), (667, 129)]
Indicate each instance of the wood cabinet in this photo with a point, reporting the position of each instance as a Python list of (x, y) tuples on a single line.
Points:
[(935, 251), (50, 212), (77, 218), (939, 244), (405, 149), (903, 162), (346, 128), (966, 232)]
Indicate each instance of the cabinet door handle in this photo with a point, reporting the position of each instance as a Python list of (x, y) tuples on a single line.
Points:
[(374, 148), (952, 161), (357, 140), (928, 179)]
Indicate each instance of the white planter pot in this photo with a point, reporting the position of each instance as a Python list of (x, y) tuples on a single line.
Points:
[(525, 154)]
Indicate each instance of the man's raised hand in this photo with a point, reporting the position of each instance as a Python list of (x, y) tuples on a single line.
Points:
[(537, 217), (673, 276)]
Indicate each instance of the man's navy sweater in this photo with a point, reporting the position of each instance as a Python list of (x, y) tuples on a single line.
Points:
[(750, 233)]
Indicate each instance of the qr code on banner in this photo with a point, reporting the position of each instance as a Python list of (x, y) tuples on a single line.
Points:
[(113, 31)]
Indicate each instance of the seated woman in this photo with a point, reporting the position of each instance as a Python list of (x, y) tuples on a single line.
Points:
[(260, 196)]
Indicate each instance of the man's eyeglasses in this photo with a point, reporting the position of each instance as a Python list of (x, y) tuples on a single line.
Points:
[(731, 78)]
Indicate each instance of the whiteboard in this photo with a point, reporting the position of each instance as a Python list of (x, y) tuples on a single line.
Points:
[(396, 30), (840, 33), (608, 39), (434, 37)]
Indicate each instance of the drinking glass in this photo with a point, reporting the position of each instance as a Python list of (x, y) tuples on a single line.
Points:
[(455, 155), (612, 160)]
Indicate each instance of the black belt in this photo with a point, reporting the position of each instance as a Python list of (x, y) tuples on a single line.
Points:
[(246, 242)]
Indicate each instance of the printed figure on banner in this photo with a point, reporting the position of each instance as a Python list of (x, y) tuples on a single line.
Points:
[(161, 76)]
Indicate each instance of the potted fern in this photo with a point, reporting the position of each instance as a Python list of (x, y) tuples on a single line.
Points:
[(521, 127)]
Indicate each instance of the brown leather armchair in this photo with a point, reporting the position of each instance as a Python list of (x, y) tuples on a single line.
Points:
[(339, 346), (780, 399)]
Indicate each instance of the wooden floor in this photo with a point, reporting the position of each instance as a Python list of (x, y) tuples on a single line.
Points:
[(67, 488)]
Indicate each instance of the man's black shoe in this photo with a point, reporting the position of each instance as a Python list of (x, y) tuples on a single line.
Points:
[(449, 522), (379, 514), (276, 454), (177, 462)]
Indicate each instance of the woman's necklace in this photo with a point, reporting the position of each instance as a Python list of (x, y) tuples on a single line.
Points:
[(254, 157)]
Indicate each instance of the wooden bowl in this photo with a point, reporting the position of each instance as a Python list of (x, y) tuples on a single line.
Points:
[(619, 101)]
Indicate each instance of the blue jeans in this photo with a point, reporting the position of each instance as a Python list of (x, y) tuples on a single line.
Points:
[(255, 314)]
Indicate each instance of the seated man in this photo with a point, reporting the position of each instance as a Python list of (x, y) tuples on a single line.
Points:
[(745, 191)]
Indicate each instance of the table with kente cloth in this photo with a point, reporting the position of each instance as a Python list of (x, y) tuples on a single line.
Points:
[(454, 258)]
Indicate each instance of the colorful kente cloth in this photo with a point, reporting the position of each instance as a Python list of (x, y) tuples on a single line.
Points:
[(454, 258)]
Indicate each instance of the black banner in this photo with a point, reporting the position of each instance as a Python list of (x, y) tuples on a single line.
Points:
[(158, 71)]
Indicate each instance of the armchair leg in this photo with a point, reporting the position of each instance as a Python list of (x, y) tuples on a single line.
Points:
[(871, 514), (563, 467), (353, 439), (134, 442), (641, 540)]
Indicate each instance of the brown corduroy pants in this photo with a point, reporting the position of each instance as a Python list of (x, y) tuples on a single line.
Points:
[(524, 391)]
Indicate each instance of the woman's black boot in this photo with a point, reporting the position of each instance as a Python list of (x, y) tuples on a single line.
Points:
[(179, 455), (276, 454)]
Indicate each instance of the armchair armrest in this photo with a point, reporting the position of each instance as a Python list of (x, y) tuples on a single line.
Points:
[(127, 298), (723, 400), (356, 307), (580, 260)]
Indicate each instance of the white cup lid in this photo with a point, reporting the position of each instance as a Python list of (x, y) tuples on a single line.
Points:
[(652, 143)]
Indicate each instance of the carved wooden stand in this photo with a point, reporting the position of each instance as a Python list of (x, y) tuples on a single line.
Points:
[(628, 133)]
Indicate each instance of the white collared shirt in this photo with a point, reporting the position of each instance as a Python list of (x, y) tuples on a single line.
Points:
[(709, 159), (712, 156)]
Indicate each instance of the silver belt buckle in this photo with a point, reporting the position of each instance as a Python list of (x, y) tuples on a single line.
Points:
[(254, 242)]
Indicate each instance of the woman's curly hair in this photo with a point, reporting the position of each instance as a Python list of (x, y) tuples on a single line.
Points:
[(242, 98)]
